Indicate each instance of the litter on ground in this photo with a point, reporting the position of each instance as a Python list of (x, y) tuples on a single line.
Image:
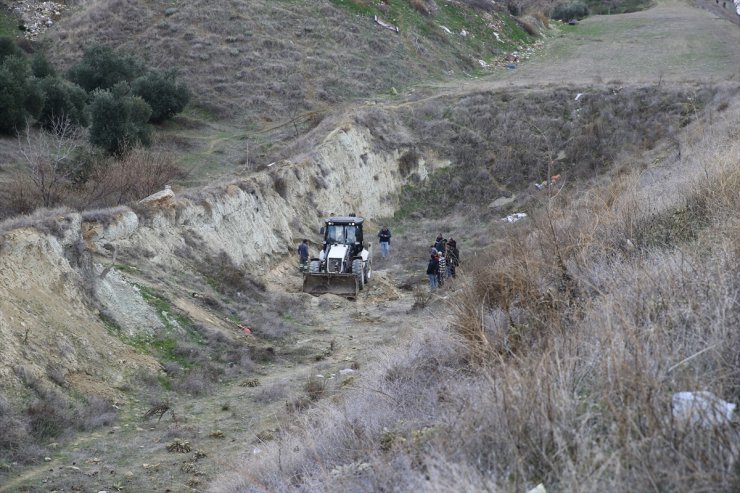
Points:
[(701, 408), (512, 218)]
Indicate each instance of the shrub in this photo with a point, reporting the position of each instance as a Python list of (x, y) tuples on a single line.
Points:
[(21, 99), (41, 66), (102, 68), (62, 100), (119, 120), (8, 48), (114, 182), (162, 92), (567, 11)]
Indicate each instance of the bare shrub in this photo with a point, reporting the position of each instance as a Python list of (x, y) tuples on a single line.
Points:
[(425, 7), (226, 277), (422, 296), (195, 382), (50, 415), (96, 413), (136, 175), (268, 394), (408, 162)]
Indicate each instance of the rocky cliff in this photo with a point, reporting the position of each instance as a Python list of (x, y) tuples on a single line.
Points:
[(53, 283)]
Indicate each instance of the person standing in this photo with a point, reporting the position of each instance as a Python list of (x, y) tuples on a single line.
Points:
[(453, 257), (384, 238), (303, 256), (442, 268), (439, 243), (433, 272)]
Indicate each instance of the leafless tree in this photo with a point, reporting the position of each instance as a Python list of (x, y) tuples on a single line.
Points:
[(47, 157)]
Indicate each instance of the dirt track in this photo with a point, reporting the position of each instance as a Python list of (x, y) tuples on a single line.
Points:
[(599, 50)]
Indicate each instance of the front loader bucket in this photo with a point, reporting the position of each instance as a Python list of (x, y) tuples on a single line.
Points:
[(340, 284)]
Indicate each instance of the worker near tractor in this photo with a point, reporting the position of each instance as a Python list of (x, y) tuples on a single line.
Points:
[(384, 239), (303, 256)]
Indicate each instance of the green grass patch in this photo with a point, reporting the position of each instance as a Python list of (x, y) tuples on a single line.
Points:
[(165, 345), (125, 268), (478, 40)]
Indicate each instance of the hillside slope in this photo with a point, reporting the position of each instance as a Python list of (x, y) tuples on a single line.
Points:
[(110, 317)]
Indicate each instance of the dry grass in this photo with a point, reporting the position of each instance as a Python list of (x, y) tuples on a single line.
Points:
[(570, 343)]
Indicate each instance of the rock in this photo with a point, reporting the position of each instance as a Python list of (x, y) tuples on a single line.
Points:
[(540, 488), (170, 11), (501, 202), (47, 459)]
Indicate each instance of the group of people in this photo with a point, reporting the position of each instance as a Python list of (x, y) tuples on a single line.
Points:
[(443, 261)]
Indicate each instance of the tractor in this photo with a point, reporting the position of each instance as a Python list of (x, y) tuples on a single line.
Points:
[(343, 266)]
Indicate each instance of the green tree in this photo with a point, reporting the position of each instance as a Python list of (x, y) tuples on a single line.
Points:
[(102, 68), (163, 93), (568, 11), (62, 100), (21, 100), (41, 66), (119, 120), (8, 48)]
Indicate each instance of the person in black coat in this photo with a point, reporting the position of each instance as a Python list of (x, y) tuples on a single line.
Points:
[(433, 272)]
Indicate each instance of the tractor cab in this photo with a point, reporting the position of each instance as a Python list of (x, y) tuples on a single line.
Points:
[(344, 230)]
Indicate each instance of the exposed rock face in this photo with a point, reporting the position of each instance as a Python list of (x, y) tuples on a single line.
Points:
[(254, 219), (46, 281)]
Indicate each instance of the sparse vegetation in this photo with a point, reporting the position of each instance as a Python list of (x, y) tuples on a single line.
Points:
[(552, 358), (568, 11)]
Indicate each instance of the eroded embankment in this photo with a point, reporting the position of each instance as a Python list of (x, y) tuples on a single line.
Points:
[(54, 276)]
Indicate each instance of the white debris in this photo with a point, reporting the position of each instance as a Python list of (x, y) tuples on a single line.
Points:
[(483, 63), (512, 218), (701, 408), (540, 488), (464, 33), (578, 96), (446, 29), (346, 371), (498, 37)]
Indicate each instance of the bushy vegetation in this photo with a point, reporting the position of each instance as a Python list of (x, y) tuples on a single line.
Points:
[(118, 87), (21, 100), (568, 11), (48, 416), (510, 140), (63, 100), (119, 120), (605, 7), (162, 93), (102, 67)]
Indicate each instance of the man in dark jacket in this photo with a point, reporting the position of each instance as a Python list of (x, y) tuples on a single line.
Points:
[(303, 256), (433, 272), (384, 238), (439, 243), (454, 256)]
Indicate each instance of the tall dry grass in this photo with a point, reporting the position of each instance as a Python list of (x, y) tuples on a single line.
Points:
[(567, 347)]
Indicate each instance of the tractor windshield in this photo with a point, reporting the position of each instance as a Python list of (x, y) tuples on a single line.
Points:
[(341, 233)]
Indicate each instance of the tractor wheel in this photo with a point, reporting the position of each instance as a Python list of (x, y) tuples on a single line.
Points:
[(313, 267), (357, 271)]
